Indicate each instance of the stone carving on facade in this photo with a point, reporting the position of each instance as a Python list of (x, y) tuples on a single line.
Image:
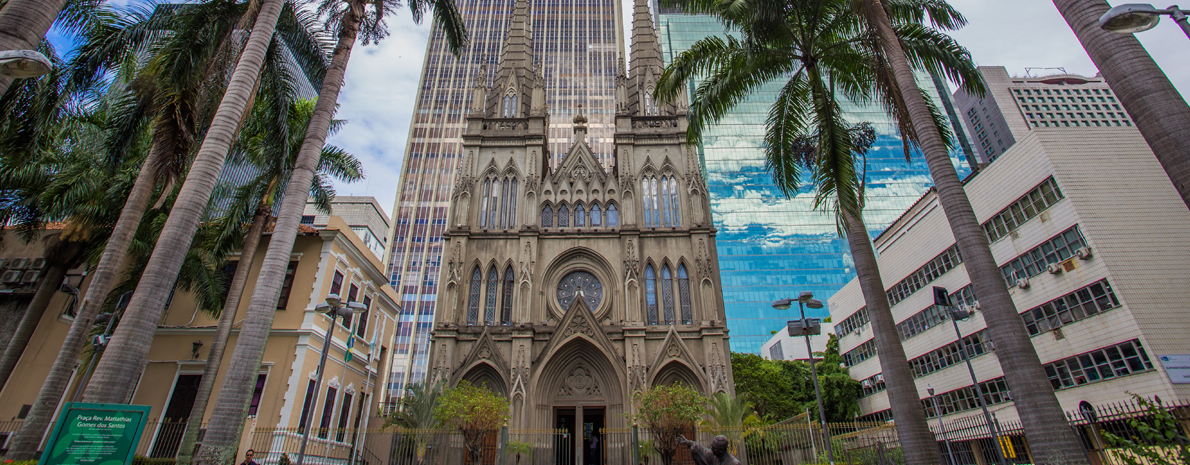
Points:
[(637, 372), (454, 275), (717, 370), (631, 264), (441, 367), (704, 265), (579, 383), (578, 326), (527, 262), (519, 374)]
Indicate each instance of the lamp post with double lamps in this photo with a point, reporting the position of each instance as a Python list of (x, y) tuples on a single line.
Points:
[(1139, 17), (333, 308), (941, 425), (942, 299), (808, 327)]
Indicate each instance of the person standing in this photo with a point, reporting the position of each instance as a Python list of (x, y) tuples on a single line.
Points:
[(248, 458)]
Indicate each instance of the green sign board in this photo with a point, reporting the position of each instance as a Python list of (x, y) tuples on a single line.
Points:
[(95, 434)]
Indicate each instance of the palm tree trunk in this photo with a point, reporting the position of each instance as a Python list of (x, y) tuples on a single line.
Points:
[(917, 441), (24, 444), (23, 23), (116, 374), (227, 422), (1160, 112), (32, 317), (1052, 440), (222, 333)]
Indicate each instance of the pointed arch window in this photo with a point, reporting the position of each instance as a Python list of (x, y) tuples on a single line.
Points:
[(665, 202), (673, 201), (512, 222), (580, 216), (667, 295), (650, 294), (509, 110), (596, 215), (644, 192), (684, 296), (504, 205), (483, 203), (473, 298), (489, 311), (493, 204), (506, 303), (649, 104), (613, 216), (563, 216), (653, 202), (547, 216)]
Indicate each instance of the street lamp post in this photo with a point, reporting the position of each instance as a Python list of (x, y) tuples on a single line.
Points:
[(23, 64), (1139, 17), (942, 298), (941, 425), (807, 327), (334, 309)]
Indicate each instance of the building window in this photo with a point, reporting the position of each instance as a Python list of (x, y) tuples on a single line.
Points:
[(473, 298), (483, 203), (932, 270), (1033, 262), (306, 407), (328, 408), (1075, 306), (337, 283), (287, 285), (308, 220), (860, 353), (352, 293), (511, 222), (651, 294), (256, 393), (872, 384), (363, 317), (776, 352), (613, 216), (995, 391), (344, 414), (933, 315), (493, 205), (506, 303), (563, 216), (1099, 365), (1022, 209), (595, 215), (951, 354), (667, 294), (652, 215), (667, 218), (489, 309), (580, 216), (504, 219), (673, 201), (547, 217), (857, 320), (684, 293)]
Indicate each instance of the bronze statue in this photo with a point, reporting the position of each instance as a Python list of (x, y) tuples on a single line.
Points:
[(716, 455)]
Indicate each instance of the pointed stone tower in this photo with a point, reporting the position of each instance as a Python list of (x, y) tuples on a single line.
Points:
[(568, 289)]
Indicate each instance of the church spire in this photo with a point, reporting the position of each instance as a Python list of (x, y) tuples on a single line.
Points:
[(511, 93), (646, 62)]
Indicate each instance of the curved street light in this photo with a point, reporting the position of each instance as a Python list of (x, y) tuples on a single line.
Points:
[(23, 64), (807, 327), (1139, 17), (333, 308)]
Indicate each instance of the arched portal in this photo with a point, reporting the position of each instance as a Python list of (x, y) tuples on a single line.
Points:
[(580, 390), (484, 374)]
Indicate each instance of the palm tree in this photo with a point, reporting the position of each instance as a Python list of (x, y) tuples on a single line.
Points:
[(1160, 112), (272, 150), (732, 417), (416, 415), (1045, 425), (350, 18), (188, 47), (825, 52)]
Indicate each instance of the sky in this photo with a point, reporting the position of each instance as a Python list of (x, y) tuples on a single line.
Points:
[(382, 79)]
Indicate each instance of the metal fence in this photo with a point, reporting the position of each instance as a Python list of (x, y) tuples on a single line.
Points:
[(158, 440)]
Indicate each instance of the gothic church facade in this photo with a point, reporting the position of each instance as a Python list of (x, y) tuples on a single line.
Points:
[(569, 287)]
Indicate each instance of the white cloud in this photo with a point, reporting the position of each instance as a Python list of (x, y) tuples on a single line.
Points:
[(377, 101)]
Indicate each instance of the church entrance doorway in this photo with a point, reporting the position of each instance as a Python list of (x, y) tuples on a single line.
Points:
[(582, 443)]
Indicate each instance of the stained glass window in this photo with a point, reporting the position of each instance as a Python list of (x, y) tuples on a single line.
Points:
[(684, 295), (580, 217), (483, 203), (673, 201), (563, 216), (512, 221), (667, 294), (650, 294), (547, 216), (665, 202), (504, 205), (653, 202), (595, 215), (580, 284), (473, 299), (613, 216), (492, 205), (644, 187), (506, 305), (489, 311)]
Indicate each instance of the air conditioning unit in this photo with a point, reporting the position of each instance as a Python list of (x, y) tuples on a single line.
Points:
[(1083, 253), (19, 263), (967, 308), (880, 378), (10, 276), (3, 262), (976, 305), (867, 383), (31, 276), (1022, 283), (1054, 268), (37, 264)]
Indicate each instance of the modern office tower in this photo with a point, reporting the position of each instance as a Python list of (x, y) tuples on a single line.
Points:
[(771, 247), (1098, 276), (577, 44), (1014, 106)]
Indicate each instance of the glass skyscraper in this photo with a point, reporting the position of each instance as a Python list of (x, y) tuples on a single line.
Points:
[(771, 247), (577, 44)]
